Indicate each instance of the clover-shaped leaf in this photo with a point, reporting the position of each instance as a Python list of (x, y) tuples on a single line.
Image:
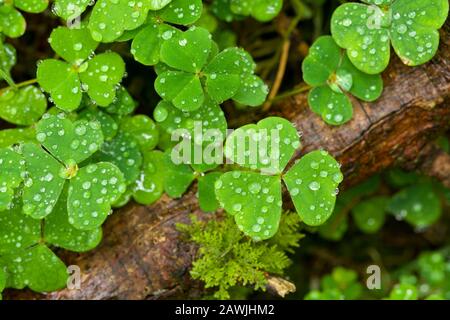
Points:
[(11, 175), (261, 10), (27, 267), (369, 215), (367, 31), (333, 76), (43, 183), (91, 193), (7, 57), (65, 81), (32, 6), (177, 177), (158, 4), (9, 137), (124, 152), (254, 200), (267, 146), (12, 23), (59, 232), (69, 141), (123, 104), (110, 19), (181, 12), (312, 184), (419, 205), (143, 129), (22, 106), (18, 231), (150, 185)]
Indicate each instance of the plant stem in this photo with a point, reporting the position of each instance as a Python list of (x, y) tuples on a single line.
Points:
[(16, 86), (7, 77), (292, 92)]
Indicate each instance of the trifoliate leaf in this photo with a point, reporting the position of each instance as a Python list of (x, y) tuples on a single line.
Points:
[(107, 123), (419, 205), (43, 184), (150, 185), (17, 230), (369, 215), (59, 232), (9, 137), (73, 45), (181, 12), (267, 145), (206, 191), (12, 23), (69, 141), (23, 106), (91, 193), (103, 74), (11, 175), (177, 177), (37, 268), (312, 184), (183, 89), (70, 9), (32, 6), (124, 152), (146, 45), (334, 108), (254, 200), (187, 51), (61, 81), (143, 129), (252, 92)]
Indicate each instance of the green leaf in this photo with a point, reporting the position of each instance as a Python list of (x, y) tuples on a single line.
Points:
[(43, 184), (107, 123), (187, 51), (404, 291), (206, 191), (252, 92), (181, 12), (418, 205), (18, 231), (354, 27), (22, 107), (336, 226), (12, 23), (312, 184), (70, 9), (123, 104), (91, 193), (32, 6), (37, 268), (73, 45), (177, 177), (124, 152), (11, 175), (103, 74), (7, 57), (369, 215), (143, 129), (2, 279), (62, 82), (322, 61), (110, 19), (261, 10), (59, 232), (183, 89), (158, 4), (253, 199), (9, 137), (149, 187), (267, 145), (69, 141), (334, 108), (414, 29), (146, 45)]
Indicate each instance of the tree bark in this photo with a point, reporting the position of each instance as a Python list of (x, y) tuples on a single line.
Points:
[(142, 255)]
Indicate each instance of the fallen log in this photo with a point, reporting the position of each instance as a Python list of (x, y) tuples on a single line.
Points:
[(142, 255)]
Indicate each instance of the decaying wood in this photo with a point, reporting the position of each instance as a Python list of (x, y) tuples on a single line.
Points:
[(142, 255)]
